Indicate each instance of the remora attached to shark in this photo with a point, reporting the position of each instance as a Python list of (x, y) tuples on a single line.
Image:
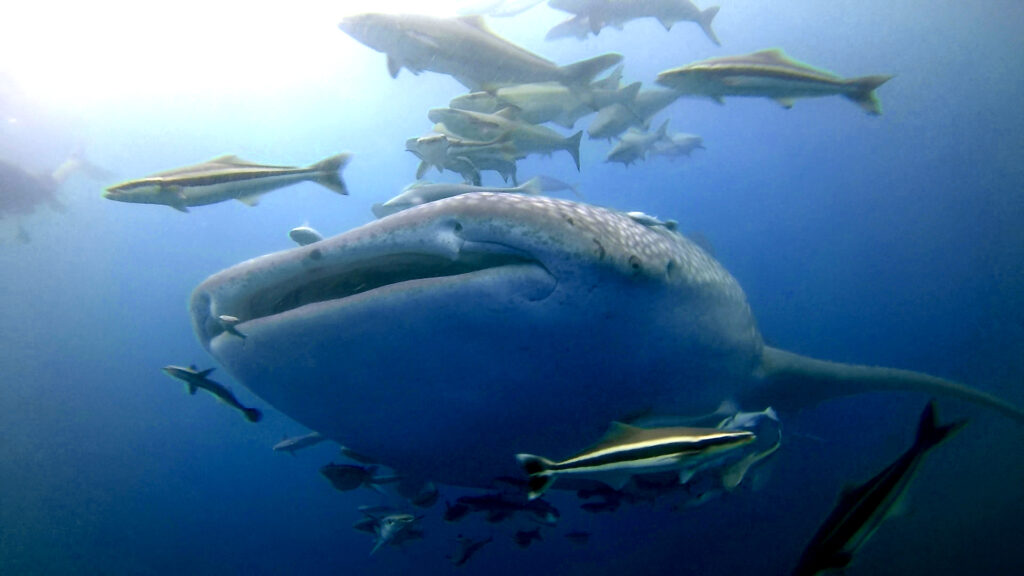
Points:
[(436, 339)]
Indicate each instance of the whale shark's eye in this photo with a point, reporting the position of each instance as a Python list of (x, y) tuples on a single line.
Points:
[(457, 227)]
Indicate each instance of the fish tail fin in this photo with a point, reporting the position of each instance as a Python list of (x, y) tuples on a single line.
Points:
[(539, 470), (627, 95), (328, 172), (572, 145), (929, 433), (582, 73), (252, 414), (704, 21), (533, 186), (791, 381), (863, 93)]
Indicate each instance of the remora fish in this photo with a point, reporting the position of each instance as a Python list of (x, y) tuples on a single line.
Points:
[(770, 74), (466, 547), (225, 178), (304, 235), (390, 527), (296, 443), (194, 380), (422, 192), (627, 450), (862, 509), (465, 49), (430, 303)]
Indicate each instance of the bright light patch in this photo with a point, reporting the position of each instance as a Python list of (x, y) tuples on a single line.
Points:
[(71, 54)]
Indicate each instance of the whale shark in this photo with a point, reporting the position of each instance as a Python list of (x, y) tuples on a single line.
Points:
[(446, 338)]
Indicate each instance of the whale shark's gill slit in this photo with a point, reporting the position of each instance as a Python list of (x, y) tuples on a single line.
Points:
[(324, 285)]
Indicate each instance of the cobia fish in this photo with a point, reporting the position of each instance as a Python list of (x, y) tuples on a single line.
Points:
[(862, 509), (447, 338), (465, 49), (626, 450), (225, 178), (770, 74)]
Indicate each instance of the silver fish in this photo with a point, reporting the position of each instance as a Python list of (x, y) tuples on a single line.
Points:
[(296, 443)]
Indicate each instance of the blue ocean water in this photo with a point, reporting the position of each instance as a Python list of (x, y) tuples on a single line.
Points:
[(891, 240)]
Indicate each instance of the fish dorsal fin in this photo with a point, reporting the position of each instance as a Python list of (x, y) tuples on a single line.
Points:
[(508, 113), (193, 368), (475, 21), (228, 159), (418, 184), (619, 432), (771, 56)]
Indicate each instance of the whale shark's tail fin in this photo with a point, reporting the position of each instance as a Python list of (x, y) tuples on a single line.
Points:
[(792, 382)]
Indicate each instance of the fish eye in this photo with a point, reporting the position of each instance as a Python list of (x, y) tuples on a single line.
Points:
[(457, 227)]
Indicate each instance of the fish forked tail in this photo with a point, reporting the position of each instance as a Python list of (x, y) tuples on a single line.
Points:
[(792, 382), (704, 21), (539, 471), (582, 73), (929, 433), (863, 93), (252, 414), (328, 172), (572, 146)]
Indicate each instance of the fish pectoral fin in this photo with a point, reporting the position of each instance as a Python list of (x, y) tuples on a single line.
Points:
[(250, 200), (191, 389), (394, 67), (686, 474), (176, 198), (786, 103), (617, 480)]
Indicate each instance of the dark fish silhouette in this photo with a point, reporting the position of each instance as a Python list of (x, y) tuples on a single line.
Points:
[(862, 509)]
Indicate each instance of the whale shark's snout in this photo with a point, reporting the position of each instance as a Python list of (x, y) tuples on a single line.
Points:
[(397, 258)]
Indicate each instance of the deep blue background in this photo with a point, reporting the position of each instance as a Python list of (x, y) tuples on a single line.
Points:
[(893, 240)]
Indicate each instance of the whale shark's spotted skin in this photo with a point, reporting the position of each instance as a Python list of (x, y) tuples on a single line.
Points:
[(446, 338)]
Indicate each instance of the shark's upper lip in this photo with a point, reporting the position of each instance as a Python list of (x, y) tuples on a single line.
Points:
[(334, 282)]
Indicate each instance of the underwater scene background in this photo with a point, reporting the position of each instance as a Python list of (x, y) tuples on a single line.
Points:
[(893, 240)]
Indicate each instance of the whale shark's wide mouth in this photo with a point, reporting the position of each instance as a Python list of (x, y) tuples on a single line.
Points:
[(342, 281)]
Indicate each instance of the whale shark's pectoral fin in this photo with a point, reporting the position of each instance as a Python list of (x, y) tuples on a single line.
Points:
[(793, 382)]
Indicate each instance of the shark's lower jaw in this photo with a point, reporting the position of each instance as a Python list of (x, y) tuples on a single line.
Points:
[(374, 278)]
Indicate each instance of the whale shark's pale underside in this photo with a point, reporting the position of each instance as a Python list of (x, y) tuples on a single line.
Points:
[(447, 338)]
